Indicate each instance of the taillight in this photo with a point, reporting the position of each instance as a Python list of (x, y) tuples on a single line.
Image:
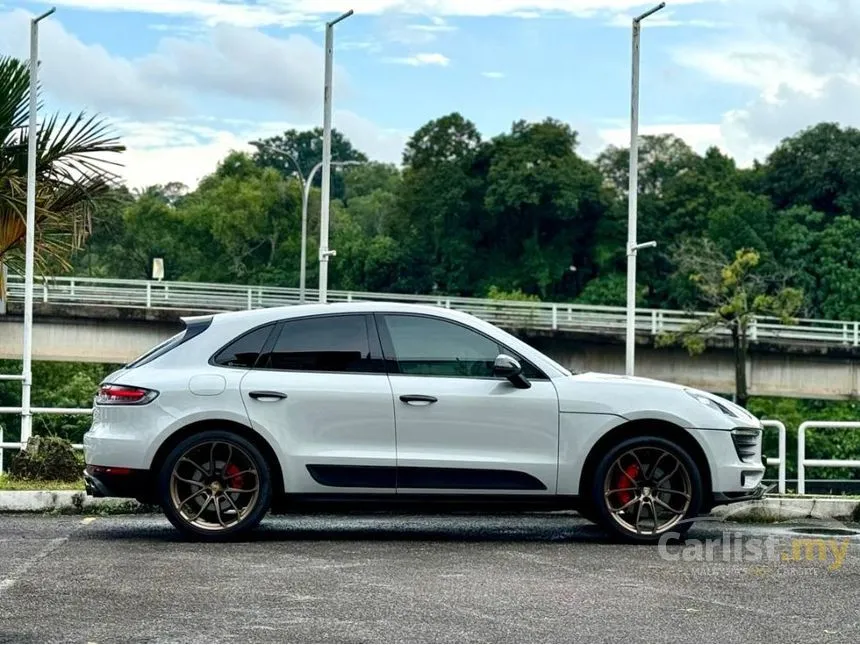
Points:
[(124, 395)]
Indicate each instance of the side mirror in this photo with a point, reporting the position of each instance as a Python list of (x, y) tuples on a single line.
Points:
[(510, 368)]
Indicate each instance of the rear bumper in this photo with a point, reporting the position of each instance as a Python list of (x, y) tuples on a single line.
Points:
[(109, 481)]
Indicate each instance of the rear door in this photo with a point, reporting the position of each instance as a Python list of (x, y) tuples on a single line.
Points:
[(461, 430), (321, 389)]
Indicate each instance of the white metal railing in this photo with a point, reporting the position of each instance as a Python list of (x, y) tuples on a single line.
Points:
[(803, 462), (780, 459), (211, 298), (17, 445)]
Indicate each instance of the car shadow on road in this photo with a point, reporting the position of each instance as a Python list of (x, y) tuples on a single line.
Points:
[(372, 527)]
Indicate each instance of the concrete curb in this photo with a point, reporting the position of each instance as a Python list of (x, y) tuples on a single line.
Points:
[(769, 509), (62, 501), (779, 509)]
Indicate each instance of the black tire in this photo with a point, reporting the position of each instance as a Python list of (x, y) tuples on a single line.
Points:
[(613, 522), (586, 511), (251, 458)]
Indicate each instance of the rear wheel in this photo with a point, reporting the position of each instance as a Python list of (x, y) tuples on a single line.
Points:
[(646, 487), (215, 485)]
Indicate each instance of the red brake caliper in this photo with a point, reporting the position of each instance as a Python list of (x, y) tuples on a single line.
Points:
[(626, 481), (234, 479)]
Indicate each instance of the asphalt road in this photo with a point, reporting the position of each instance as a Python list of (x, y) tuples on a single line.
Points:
[(400, 578)]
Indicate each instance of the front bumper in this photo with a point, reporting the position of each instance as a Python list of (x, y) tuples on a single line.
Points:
[(743, 496), (110, 481)]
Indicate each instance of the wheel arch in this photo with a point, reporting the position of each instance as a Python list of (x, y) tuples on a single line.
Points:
[(242, 430), (650, 427)]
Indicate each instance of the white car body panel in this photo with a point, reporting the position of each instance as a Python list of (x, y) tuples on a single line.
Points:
[(546, 431), (334, 419), (478, 423)]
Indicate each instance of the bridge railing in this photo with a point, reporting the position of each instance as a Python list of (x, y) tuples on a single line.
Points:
[(803, 463), (212, 298)]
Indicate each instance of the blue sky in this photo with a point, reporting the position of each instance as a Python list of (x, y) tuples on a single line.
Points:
[(185, 81)]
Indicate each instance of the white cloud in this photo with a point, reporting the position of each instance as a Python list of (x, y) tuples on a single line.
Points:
[(762, 65), (87, 75), (292, 12), (224, 60), (664, 19), (493, 75), (421, 60), (801, 61), (186, 151), (150, 100), (436, 25)]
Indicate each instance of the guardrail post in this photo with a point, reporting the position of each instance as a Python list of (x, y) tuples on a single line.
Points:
[(569, 314), (753, 329), (148, 294), (1, 450), (250, 298), (554, 316), (653, 322), (801, 459), (780, 460), (447, 303), (71, 287), (349, 297), (856, 334), (44, 292)]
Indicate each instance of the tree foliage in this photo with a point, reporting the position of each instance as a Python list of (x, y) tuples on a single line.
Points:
[(736, 294), (71, 173)]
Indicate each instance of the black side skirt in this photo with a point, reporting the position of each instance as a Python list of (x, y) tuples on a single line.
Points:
[(417, 477)]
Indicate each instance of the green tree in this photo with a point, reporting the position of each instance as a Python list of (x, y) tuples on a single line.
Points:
[(736, 294), (819, 167), (306, 148), (440, 205), (542, 206)]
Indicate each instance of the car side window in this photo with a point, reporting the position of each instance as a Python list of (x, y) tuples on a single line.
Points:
[(432, 347), (244, 350), (322, 344)]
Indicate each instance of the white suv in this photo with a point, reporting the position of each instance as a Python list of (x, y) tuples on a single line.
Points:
[(385, 404)]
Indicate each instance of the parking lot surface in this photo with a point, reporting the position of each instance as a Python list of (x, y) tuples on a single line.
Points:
[(403, 578)]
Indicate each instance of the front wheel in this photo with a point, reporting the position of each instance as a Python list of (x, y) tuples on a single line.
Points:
[(215, 485), (646, 487)]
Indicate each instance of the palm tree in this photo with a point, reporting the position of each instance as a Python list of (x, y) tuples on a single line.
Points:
[(73, 171)]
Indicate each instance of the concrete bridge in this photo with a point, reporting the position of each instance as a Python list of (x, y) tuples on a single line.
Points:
[(113, 321)]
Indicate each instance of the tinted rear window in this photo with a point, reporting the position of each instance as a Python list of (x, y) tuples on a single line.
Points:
[(322, 344), (245, 350)]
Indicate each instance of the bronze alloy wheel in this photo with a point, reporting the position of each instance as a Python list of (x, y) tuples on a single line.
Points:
[(215, 485), (647, 490)]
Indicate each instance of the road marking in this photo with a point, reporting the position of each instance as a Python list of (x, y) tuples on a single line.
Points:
[(25, 566), (88, 520)]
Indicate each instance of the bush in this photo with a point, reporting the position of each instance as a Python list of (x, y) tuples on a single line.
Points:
[(46, 459), (495, 293)]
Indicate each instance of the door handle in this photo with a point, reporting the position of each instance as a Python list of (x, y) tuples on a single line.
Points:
[(418, 398), (267, 395)]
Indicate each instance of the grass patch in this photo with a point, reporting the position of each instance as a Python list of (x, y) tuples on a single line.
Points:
[(6, 483)]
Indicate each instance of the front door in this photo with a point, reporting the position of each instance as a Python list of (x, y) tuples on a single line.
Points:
[(323, 391), (461, 430)]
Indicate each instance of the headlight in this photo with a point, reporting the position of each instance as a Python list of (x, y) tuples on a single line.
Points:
[(713, 404)]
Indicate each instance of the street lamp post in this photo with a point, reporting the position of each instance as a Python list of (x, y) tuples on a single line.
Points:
[(633, 196), (305, 183), (30, 245), (325, 253)]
